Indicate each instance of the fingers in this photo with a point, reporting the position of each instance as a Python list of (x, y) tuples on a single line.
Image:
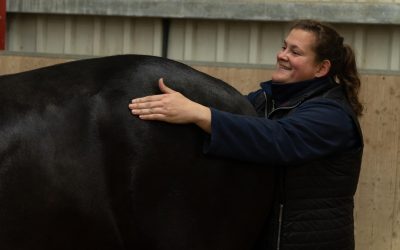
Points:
[(149, 107), (153, 117), (147, 111), (145, 105), (164, 87), (153, 98), (150, 113), (146, 99), (164, 107)]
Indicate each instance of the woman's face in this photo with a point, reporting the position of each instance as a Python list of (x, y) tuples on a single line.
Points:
[(296, 61)]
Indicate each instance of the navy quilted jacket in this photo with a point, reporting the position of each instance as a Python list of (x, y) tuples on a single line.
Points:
[(308, 132)]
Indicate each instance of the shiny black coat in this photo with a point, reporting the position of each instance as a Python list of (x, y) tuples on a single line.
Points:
[(78, 171)]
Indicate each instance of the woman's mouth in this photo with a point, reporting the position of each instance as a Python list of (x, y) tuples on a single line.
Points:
[(284, 67)]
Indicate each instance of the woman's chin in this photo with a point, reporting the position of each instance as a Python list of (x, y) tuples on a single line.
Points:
[(277, 77)]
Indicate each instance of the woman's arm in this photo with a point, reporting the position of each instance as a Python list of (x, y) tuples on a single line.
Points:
[(317, 128)]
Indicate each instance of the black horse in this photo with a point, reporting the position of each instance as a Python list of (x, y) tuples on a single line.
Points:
[(78, 171)]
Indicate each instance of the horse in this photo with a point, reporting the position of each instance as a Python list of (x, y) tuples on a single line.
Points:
[(78, 171)]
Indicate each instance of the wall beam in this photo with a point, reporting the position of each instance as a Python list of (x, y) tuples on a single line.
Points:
[(258, 10), (2, 24)]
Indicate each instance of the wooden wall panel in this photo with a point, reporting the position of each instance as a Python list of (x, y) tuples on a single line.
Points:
[(14, 64), (377, 202)]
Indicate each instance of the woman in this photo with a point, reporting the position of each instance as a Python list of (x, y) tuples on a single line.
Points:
[(307, 129)]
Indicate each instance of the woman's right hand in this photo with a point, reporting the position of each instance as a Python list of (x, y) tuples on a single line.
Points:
[(171, 107)]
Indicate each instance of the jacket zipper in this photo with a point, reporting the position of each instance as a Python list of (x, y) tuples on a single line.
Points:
[(278, 242), (270, 107), (282, 108), (269, 110), (266, 108)]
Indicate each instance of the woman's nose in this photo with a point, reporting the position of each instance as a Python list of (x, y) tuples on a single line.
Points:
[(282, 55)]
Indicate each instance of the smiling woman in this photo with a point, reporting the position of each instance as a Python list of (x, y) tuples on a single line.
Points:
[(297, 59), (307, 130)]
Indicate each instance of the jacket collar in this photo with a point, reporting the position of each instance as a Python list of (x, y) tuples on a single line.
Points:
[(290, 94)]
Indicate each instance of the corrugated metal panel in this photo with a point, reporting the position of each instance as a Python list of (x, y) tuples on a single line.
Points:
[(376, 46), (84, 35), (222, 41), (377, 52), (395, 53)]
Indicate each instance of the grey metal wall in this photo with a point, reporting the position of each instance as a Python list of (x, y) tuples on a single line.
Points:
[(228, 41), (83, 35)]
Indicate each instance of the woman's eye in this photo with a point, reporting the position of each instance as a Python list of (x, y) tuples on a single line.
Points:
[(296, 52)]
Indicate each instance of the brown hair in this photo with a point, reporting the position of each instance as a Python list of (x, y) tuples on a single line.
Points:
[(329, 46)]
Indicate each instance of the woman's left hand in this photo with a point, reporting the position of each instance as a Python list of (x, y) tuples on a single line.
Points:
[(172, 107)]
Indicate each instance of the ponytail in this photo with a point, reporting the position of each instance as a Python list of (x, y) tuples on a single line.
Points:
[(348, 76)]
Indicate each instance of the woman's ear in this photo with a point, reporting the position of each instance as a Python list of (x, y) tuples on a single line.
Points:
[(324, 68)]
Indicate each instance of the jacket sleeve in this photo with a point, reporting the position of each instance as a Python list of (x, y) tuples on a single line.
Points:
[(315, 129)]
